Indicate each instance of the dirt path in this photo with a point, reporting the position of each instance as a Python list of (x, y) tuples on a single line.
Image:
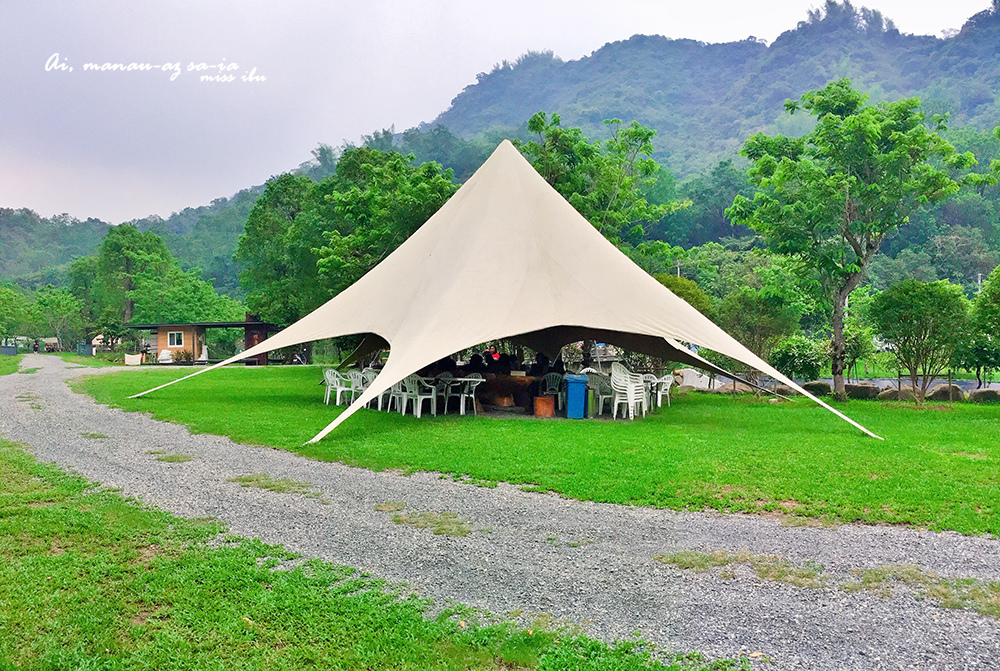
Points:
[(586, 562)]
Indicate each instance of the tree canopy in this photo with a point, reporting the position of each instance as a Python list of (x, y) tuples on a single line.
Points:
[(306, 241), (604, 180), (923, 323), (830, 197)]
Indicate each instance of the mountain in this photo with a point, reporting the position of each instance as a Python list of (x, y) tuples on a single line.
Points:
[(706, 99), (35, 251)]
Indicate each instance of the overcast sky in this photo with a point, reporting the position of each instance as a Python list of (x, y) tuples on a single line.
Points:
[(121, 145)]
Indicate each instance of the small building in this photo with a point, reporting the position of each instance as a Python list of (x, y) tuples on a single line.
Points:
[(190, 338), (178, 338)]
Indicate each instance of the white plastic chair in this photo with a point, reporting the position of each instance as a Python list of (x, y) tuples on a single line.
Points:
[(641, 390), (629, 389), (663, 389), (335, 382), (443, 386), (600, 384), (356, 380), (468, 391), (552, 385), (415, 389), (368, 376), (397, 397), (649, 382)]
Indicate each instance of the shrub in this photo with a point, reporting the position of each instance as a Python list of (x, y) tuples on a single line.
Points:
[(799, 357)]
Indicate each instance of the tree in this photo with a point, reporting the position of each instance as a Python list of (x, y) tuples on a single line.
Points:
[(981, 349), (306, 241), (377, 203), (710, 194), (604, 181), (124, 254), (832, 196), (13, 311), (688, 290), (180, 297), (923, 323), (273, 289), (799, 357), (55, 312), (757, 320)]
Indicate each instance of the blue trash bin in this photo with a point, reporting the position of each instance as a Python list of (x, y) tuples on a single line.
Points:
[(576, 394)]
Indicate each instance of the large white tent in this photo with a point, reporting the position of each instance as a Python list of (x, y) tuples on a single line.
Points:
[(507, 257)]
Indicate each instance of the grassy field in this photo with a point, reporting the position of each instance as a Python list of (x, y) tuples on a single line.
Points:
[(939, 466), (99, 361), (89, 580), (9, 364)]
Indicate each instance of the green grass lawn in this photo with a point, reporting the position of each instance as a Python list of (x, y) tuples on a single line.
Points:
[(939, 466), (9, 364), (89, 580), (99, 361)]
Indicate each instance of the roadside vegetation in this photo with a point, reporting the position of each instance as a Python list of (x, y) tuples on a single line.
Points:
[(102, 360), (91, 580), (968, 593), (936, 469), (9, 364)]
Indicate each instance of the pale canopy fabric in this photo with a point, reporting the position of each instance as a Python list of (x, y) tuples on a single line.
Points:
[(507, 257)]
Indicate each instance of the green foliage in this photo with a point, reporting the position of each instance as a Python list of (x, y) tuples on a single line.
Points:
[(603, 180), (56, 313), (706, 452), (134, 278), (205, 238), (757, 320), (305, 241), (705, 220), (688, 290), (923, 323), (177, 297), (125, 254), (440, 145), (14, 310), (31, 245), (799, 357), (376, 205), (831, 197), (980, 350), (272, 276)]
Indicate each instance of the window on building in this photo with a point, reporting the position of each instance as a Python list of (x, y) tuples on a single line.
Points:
[(175, 339)]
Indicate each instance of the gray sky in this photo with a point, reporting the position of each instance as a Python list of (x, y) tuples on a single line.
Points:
[(121, 145)]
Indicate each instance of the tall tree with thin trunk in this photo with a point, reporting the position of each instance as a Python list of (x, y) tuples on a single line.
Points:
[(832, 196)]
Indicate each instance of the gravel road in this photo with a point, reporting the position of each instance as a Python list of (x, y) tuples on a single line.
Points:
[(584, 562)]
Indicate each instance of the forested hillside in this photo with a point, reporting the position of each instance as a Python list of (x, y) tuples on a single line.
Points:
[(34, 248), (705, 99), (35, 251)]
